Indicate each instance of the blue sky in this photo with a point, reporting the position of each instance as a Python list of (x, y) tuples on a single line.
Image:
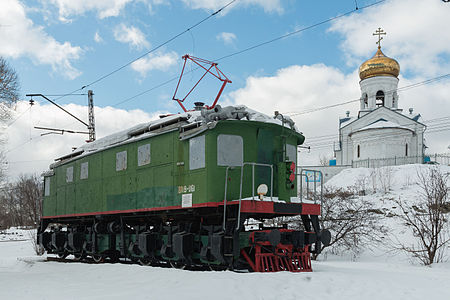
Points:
[(58, 46), (247, 25)]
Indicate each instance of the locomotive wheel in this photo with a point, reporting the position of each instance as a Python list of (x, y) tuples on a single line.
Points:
[(213, 267), (114, 256), (98, 258), (177, 265), (62, 254), (78, 256), (145, 261)]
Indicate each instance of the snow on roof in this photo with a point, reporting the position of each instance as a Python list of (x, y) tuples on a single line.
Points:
[(190, 117), (124, 135), (346, 120)]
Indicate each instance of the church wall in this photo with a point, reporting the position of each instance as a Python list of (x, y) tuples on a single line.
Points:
[(382, 143)]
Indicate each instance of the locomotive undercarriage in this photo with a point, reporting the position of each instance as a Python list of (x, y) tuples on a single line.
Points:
[(187, 238)]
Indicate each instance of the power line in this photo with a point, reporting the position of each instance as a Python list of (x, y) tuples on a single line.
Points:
[(248, 49), (333, 139), (400, 89), (150, 51), (18, 117), (329, 140), (327, 144), (299, 30)]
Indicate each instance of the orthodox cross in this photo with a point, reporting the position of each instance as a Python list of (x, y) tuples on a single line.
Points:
[(379, 32)]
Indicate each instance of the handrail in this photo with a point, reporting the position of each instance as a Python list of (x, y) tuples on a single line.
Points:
[(303, 174), (253, 164)]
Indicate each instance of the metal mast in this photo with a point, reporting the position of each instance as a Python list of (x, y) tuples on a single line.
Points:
[(91, 126)]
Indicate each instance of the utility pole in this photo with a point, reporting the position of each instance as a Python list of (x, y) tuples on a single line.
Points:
[(91, 126)]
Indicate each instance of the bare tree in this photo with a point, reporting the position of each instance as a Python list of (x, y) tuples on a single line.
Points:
[(9, 84), (9, 93), (324, 160), (352, 220), (21, 202), (427, 219)]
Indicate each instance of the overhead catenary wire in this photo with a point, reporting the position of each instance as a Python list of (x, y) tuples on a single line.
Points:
[(218, 59), (254, 47), (18, 117)]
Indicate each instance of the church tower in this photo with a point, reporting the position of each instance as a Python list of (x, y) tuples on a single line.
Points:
[(379, 81), (381, 132)]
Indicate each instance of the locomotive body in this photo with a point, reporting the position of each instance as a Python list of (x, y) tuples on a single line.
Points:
[(182, 190)]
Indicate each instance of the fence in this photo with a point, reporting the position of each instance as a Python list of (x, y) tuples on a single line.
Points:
[(442, 159)]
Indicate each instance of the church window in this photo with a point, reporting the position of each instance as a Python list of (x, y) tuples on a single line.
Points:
[(406, 150), (366, 103), (379, 98), (358, 151)]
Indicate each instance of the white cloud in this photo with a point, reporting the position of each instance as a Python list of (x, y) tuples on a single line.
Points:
[(104, 8), (36, 155), (158, 61), (23, 38), (97, 37), (417, 34), (227, 38), (211, 5), (131, 35)]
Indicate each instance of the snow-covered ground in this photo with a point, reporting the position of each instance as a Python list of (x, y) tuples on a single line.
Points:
[(25, 276), (375, 275)]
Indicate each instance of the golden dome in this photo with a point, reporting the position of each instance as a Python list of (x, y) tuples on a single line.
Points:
[(379, 65)]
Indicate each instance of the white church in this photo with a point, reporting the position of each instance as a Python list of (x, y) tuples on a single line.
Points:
[(381, 130)]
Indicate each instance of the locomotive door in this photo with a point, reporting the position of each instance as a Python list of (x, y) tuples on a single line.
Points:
[(265, 155)]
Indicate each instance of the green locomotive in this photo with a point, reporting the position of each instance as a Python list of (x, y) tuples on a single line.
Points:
[(183, 190)]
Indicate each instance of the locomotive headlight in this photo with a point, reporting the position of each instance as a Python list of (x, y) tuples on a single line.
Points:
[(262, 190)]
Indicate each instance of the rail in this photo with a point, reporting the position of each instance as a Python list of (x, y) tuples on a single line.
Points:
[(314, 176), (253, 164)]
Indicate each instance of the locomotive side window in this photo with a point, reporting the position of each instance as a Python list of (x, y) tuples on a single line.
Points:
[(197, 152), (291, 153), (143, 155), (47, 186), (84, 171), (121, 161), (230, 150), (69, 174)]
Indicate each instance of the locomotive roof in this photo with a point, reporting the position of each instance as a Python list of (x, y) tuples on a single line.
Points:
[(190, 119)]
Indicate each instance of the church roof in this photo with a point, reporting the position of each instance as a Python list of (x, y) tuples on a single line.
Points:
[(379, 65), (351, 120), (382, 123), (415, 117), (346, 120)]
